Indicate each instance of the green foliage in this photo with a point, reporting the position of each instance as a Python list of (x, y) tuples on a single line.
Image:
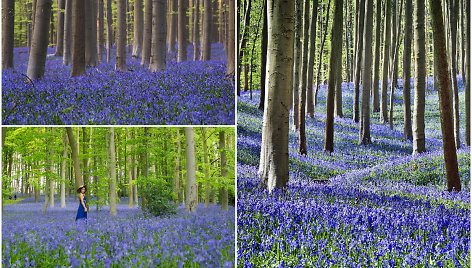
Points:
[(156, 194)]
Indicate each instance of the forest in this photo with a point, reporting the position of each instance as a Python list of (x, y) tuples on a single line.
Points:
[(156, 196), (353, 133), (126, 62)]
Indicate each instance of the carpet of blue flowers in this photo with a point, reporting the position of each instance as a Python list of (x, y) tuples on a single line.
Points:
[(382, 206), (130, 239), (185, 93)]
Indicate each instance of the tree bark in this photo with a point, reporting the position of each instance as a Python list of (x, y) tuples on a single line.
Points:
[(273, 168), (173, 25), (191, 185), (75, 158), (230, 69), (407, 131), (138, 28), (78, 37), (207, 172), (453, 13), (8, 34), (39, 44), (207, 30), (121, 37), (177, 170), (378, 34), (60, 28), (182, 33), (302, 84), (295, 95), (310, 105), (224, 173), (359, 56), (63, 170), (112, 173), (447, 129), (129, 170), (385, 61), (336, 51), (196, 29), (364, 131), (420, 74), (101, 30), (467, 80), (159, 32), (147, 38)]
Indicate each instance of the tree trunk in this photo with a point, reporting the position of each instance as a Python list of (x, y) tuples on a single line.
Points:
[(138, 28), (207, 30), (320, 57), (182, 33), (173, 25), (90, 34), (51, 168), (336, 51), (63, 170), (109, 30), (129, 169), (207, 172), (121, 37), (224, 173), (147, 38), (394, 61), (420, 69), (230, 69), (177, 170), (264, 62), (159, 32), (364, 131), (385, 61), (39, 44), (196, 29), (359, 55), (467, 81), (8, 21), (296, 63), (101, 30), (60, 28), (273, 168), (191, 185), (75, 158), (407, 131), (78, 37), (310, 105), (375, 89), (447, 129), (303, 79), (453, 13), (112, 172)]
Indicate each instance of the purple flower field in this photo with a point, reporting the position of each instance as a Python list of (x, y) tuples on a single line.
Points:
[(33, 239), (383, 207), (192, 92)]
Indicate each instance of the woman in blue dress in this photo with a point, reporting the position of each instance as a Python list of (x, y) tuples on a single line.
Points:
[(82, 210)]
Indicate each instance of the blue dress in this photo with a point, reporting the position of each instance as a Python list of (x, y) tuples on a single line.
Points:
[(81, 214)]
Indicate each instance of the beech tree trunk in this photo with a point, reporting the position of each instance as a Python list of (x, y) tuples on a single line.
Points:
[(302, 77), (75, 158), (90, 34), (101, 30), (224, 173), (453, 13), (375, 89), (196, 29), (191, 185), (63, 170), (467, 81), (420, 74), (121, 37), (407, 131), (173, 25), (39, 44), (207, 172), (207, 30), (295, 94), (336, 51), (230, 69), (60, 28), (182, 35), (78, 38), (159, 32), (109, 30), (177, 170), (310, 105), (147, 38), (8, 34), (447, 128), (359, 55), (364, 131), (273, 167), (385, 63), (112, 173), (138, 28)]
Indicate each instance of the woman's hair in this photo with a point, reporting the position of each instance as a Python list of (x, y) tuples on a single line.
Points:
[(80, 189)]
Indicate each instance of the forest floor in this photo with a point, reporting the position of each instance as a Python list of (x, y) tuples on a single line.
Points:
[(31, 238), (382, 206), (191, 92)]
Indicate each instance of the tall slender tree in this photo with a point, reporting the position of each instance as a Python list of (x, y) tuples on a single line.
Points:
[(207, 30), (191, 184), (364, 131), (67, 54), (138, 25), (467, 67), (375, 87), (159, 32), (78, 37), (8, 34), (109, 30), (230, 69), (196, 32), (60, 28), (273, 167), (385, 61), (420, 75), (90, 33), (296, 63), (112, 184), (147, 37), (173, 24), (407, 131), (121, 36), (182, 32), (302, 77), (224, 173), (359, 55), (310, 105)]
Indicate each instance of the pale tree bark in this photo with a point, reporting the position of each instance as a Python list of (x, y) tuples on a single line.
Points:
[(138, 25), (8, 34), (420, 74), (147, 37), (121, 37), (447, 128), (407, 131), (51, 168), (224, 173), (394, 61), (207, 172), (302, 77), (359, 48), (375, 89), (60, 28), (129, 169), (230, 69), (207, 30), (320, 56), (196, 28), (75, 158), (67, 54), (364, 131), (453, 13), (182, 32), (310, 105), (336, 51), (78, 37), (467, 69), (385, 61), (112, 173), (39, 43), (191, 185), (109, 30), (177, 170), (173, 25), (159, 32), (295, 95), (63, 170), (273, 167)]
